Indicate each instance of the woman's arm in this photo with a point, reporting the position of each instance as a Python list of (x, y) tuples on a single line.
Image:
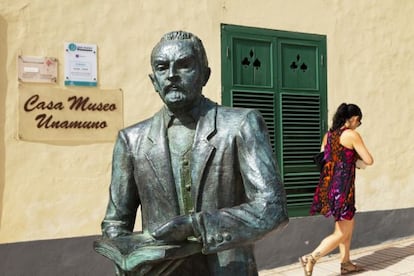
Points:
[(324, 141), (359, 146)]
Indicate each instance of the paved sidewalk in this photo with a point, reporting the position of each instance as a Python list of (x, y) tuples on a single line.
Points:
[(388, 259)]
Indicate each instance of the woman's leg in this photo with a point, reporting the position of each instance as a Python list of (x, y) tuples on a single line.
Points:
[(342, 230), (345, 245)]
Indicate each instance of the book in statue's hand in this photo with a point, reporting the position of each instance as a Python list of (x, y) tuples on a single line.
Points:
[(138, 251)]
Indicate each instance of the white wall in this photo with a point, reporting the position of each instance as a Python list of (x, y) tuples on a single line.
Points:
[(51, 191)]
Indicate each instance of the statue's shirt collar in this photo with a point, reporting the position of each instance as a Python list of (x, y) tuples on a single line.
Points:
[(187, 118)]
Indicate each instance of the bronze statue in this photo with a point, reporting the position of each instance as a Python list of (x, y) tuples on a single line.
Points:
[(203, 174)]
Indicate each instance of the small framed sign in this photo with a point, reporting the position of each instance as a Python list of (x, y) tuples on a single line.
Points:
[(37, 69), (81, 64)]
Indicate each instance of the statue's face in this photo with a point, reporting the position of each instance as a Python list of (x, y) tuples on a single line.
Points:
[(177, 74)]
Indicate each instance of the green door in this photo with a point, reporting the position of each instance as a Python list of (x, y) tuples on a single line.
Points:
[(283, 75)]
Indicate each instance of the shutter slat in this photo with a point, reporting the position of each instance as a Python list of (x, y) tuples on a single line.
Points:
[(261, 101), (301, 132)]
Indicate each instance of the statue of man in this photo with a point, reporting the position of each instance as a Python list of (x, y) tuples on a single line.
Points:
[(198, 170)]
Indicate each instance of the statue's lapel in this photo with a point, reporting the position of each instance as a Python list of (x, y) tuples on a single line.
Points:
[(159, 158), (202, 148)]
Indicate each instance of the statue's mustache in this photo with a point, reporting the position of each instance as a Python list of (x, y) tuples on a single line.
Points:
[(173, 87)]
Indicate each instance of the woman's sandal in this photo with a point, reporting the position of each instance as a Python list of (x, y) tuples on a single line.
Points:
[(304, 262), (348, 268)]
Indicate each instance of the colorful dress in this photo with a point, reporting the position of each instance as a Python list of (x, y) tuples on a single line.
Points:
[(335, 194)]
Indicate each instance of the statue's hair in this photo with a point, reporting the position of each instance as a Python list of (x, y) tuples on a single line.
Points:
[(196, 42), (177, 35)]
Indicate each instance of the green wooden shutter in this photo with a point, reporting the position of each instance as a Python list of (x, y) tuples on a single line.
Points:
[(302, 94), (301, 132), (283, 75)]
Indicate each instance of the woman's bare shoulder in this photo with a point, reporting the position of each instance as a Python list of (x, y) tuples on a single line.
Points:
[(349, 137), (350, 133)]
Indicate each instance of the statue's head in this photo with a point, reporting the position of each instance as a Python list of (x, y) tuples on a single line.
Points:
[(179, 69)]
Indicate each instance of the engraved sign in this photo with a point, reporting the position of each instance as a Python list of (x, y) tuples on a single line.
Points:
[(59, 115)]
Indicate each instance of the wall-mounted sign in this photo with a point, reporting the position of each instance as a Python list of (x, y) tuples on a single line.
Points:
[(57, 115), (81, 64), (37, 69)]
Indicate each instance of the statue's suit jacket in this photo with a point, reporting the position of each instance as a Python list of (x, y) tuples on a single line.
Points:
[(237, 192)]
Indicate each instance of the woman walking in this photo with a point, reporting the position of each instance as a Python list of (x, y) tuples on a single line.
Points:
[(343, 149)]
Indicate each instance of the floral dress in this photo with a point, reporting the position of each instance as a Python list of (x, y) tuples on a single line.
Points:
[(335, 194)]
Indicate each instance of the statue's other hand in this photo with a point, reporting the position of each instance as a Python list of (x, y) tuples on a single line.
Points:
[(177, 229)]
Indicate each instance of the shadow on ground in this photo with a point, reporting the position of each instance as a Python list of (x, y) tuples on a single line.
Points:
[(384, 258)]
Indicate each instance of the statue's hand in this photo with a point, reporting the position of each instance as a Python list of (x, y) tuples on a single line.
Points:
[(177, 229)]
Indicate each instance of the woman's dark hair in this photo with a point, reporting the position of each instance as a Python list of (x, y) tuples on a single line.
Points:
[(343, 113)]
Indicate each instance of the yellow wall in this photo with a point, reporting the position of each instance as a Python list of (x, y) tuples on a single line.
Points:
[(50, 191)]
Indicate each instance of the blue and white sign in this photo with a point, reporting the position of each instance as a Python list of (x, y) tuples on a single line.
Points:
[(81, 64)]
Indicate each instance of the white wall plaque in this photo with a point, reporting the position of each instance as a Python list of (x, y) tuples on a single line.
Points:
[(81, 64), (37, 69)]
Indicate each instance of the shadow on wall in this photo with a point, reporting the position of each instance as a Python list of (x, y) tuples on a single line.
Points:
[(3, 89)]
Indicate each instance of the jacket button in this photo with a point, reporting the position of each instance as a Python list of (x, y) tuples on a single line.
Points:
[(227, 236)]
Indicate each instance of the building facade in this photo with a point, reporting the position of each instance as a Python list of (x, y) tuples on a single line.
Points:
[(53, 194)]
